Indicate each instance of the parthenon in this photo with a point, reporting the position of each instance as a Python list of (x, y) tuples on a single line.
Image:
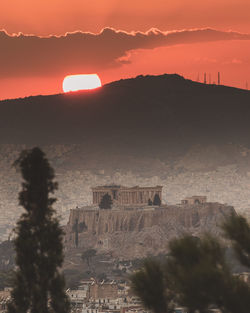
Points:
[(126, 195)]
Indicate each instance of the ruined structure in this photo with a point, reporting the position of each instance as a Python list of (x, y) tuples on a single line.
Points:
[(121, 195), (194, 200)]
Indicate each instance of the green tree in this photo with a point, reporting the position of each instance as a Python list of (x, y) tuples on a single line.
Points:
[(106, 202), (198, 275), (38, 284), (157, 200), (151, 286), (88, 255), (237, 230), (188, 276), (6, 278), (194, 268), (150, 202)]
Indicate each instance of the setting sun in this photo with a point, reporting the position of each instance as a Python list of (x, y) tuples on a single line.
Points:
[(81, 82)]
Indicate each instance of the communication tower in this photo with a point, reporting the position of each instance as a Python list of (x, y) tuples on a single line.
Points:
[(218, 78)]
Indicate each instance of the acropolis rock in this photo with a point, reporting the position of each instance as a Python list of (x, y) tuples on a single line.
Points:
[(132, 233)]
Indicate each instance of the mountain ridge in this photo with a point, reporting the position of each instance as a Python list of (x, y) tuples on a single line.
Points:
[(145, 109)]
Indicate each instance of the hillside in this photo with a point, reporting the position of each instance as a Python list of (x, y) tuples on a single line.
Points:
[(164, 130), (153, 114)]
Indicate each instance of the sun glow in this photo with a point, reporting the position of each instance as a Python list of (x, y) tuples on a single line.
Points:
[(81, 82)]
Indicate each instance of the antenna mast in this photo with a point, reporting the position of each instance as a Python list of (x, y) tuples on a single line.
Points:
[(218, 78)]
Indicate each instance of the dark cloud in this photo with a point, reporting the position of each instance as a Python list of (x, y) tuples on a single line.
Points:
[(26, 55)]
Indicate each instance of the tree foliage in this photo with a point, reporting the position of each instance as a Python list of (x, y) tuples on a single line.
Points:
[(6, 278), (194, 268), (88, 255), (150, 202), (157, 200), (151, 286), (38, 284), (106, 202), (237, 230), (197, 275)]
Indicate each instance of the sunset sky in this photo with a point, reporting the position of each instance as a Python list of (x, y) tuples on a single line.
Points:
[(43, 41)]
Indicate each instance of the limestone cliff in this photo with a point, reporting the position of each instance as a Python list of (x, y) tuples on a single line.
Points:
[(140, 232)]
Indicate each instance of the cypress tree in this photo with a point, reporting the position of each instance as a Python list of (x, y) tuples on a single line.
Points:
[(106, 202), (150, 202), (157, 200), (38, 284)]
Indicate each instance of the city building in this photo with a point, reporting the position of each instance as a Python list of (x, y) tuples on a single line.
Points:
[(103, 290)]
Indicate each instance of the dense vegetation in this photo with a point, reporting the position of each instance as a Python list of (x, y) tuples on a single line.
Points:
[(196, 274)]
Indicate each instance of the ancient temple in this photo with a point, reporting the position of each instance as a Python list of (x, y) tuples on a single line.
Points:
[(121, 195)]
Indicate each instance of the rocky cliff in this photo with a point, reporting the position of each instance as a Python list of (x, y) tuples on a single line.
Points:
[(141, 232)]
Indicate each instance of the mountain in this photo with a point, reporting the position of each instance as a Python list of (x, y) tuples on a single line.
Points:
[(189, 137), (146, 113)]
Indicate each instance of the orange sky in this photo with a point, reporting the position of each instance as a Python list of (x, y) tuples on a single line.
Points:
[(37, 73), (44, 17)]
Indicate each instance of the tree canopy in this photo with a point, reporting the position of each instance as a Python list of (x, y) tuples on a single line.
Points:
[(157, 200), (38, 284), (152, 287), (150, 202), (106, 202), (196, 273), (88, 255)]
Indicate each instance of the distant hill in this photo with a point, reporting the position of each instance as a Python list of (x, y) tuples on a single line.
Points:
[(191, 138), (149, 114)]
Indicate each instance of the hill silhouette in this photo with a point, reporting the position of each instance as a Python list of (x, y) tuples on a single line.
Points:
[(189, 137), (149, 114)]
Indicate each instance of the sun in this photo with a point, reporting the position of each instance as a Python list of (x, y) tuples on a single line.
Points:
[(81, 82)]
